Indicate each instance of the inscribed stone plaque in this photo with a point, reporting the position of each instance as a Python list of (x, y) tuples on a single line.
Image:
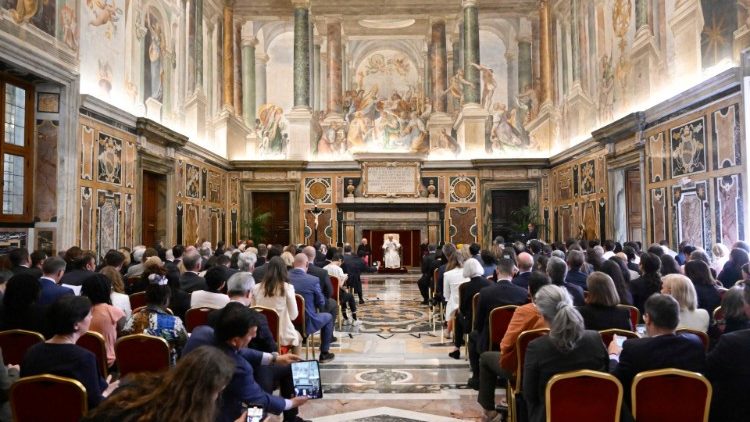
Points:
[(391, 179)]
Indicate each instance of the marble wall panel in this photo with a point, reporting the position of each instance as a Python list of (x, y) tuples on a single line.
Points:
[(45, 187), (109, 159), (658, 214), (588, 177), (688, 148), (192, 219), (656, 158), (88, 136), (590, 221), (204, 225), (318, 190), (214, 187), (691, 214), (107, 222), (725, 137), (192, 181), (565, 231), (86, 211), (729, 209), (129, 164), (128, 216), (462, 225)]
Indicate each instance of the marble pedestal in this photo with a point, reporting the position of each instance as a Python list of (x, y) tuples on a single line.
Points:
[(195, 116), (646, 64), (232, 133), (581, 114), (741, 41), (437, 123), (542, 130), (470, 127), (300, 133)]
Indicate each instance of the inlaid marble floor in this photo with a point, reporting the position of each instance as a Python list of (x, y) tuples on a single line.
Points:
[(394, 367)]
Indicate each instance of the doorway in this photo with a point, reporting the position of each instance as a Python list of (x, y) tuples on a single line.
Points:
[(633, 205), (409, 240), (504, 202), (154, 210), (277, 225)]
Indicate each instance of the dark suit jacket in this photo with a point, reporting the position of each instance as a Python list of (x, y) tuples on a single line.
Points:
[(641, 291), (309, 287), (708, 297), (75, 277), (468, 290), (577, 278), (353, 266), (728, 369), (263, 340), (598, 317), (544, 360), (259, 272), (325, 280), (320, 259), (499, 294), (576, 292), (51, 291), (729, 275), (190, 282), (522, 280), (36, 272), (666, 351)]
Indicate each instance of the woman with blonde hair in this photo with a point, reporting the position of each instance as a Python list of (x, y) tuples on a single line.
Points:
[(681, 288), (288, 259), (277, 293), (118, 296)]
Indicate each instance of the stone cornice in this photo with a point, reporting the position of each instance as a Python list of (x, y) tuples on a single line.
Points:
[(159, 133), (621, 129)]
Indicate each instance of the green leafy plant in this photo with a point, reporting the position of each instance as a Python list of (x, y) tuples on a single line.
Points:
[(257, 225), (525, 215)]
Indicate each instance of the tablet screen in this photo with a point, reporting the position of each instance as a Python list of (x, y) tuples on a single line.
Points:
[(306, 377)]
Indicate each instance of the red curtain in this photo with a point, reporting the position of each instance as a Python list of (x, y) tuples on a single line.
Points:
[(409, 240)]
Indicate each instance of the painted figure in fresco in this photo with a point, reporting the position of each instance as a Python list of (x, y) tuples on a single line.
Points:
[(69, 26), (155, 50), (456, 87), (503, 134), (357, 131), (606, 85), (105, 13), (105, 76), (446, 141), (391, 256), (271, 129), (415, 134), (25, 10), (488, 84)]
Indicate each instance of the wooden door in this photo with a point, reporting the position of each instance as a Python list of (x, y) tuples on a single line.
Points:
[(150, 210), (277, 226), (634, 198), (504, 202)]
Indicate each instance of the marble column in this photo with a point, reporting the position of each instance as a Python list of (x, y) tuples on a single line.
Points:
[(248, 81), (524, 65), (545, 52), (438, 66), (301, 55), (334, 69), (317, 92), (228, 56), (575, 61), (471, 51), (198, 47), (261, 60), (456, 57), (641, 13), (512, 66)]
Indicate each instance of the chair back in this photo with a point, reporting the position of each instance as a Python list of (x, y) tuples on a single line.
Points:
[(141, 353), (95, 343), (522, 343), (603, 393), (69, 402), (667, 395), (608, 335), (499, 319), (335, 288), (435, 274), (701, 335), (635, 315), (300, 322), (15, 343), (719, 319), (474, 307), (137, 300), (195, 317), (461, 293), (273, 321)]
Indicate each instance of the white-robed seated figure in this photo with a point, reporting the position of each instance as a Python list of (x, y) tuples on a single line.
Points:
[(391, 257)]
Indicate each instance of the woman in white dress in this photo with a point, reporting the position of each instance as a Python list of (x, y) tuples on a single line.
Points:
[(452, 278), (391, 257), (681, 288), (277, 293)]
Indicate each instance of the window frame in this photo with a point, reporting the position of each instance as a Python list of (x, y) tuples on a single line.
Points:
[(26, 151)]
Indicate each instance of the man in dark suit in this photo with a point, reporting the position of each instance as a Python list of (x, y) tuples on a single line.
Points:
[(21, 262), (260, 270), (502, 293), (320, 255), (728, 369), (525, 263), (84, 266), (326, 287), (429, 263), (556, 270), (53, 269), (661, 349), (174, 265), (575, 276), (354, 266), (364, 246), (309, 287), (190, 281)]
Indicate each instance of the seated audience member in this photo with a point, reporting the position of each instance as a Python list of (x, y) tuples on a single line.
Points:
[(540, 262), (733, 307), (8, 375), (155, 319), (601, 311), (501, 293), (256, 374), (721, 256), (556, 270), (669, 265), (135, 269), (732, 271), (21, 262), (246, 262), (594, 259), (681, 288), (575, 276), (288, 259), (106, 319), (276, 293), (346, 299), (5, 275), (83, 267), (618, 272), (354, 266), (21, 309), (324, 280), (53, 270), (649, 282), (473, 280), (69, 318), (216, 279), (525, 263), (568, 347), (118, 296), (705, 285), (489, 263), (504, 363), (308, 286), (453, 277), (632, 261), (429, 263), (728, 369), (260, 269), (171, 397), (151, 265), (661, 349), (190, 280)]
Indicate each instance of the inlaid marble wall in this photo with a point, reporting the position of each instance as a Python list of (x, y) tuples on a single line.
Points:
[(694, 179), (107, 188), (574, 198)]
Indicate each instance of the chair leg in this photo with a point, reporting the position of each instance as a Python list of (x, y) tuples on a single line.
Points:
[(466, 347)]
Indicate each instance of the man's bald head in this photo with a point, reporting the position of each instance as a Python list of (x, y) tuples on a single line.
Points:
[(310, 252), (524, 261), (300, 261)]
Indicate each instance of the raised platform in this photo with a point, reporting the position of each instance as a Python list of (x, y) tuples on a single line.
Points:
[(383, 270)]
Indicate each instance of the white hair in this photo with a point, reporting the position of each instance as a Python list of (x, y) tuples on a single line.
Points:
[(472, 268), (246, 261), (138, 252)]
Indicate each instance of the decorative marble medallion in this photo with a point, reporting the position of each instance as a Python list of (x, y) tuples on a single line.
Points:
[(109, 159), (688, 148)]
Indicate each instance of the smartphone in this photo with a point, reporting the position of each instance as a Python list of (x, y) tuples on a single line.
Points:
[(254, 414), (306, 379), (619, 340)]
